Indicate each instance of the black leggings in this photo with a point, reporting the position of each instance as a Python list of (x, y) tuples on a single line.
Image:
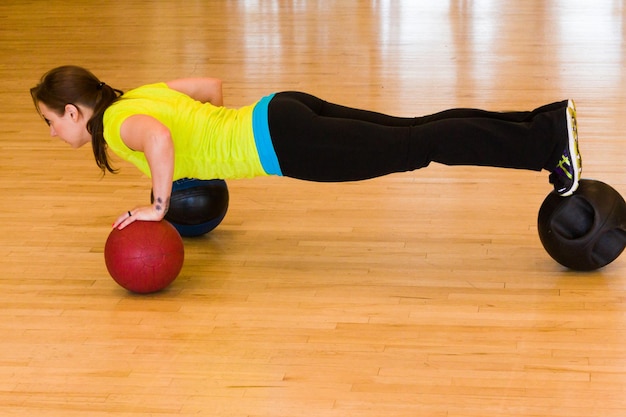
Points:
[(320, 141)]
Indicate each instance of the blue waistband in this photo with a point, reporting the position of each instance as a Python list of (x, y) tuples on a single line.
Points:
[(262, 138)]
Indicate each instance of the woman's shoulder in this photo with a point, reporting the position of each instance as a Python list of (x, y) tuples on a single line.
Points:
[(146, 95), (151, 99), (147, 89)]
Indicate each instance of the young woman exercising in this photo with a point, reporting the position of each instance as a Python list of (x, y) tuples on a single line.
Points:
[(180, 129)]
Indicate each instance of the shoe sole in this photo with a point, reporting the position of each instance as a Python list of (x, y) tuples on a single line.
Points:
[(572, 129)]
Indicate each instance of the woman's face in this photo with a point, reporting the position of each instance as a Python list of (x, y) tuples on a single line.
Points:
[(71, 127)]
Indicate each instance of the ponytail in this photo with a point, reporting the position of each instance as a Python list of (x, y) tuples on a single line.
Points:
[(106, 96), (75, 85)]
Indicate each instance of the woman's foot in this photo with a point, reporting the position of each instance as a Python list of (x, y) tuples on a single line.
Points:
[(567, 173)]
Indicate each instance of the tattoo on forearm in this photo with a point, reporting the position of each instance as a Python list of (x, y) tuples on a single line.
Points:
[(162, 205)]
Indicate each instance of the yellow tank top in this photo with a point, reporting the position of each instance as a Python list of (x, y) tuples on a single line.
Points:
[(209, 142)]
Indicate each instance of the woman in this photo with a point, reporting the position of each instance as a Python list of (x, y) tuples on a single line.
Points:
[(180, 129)]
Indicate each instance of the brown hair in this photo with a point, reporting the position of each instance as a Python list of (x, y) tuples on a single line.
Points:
[(71, 84)]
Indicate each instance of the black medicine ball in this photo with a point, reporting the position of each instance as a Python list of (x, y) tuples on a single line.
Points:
[(197, 206), (585, 231)]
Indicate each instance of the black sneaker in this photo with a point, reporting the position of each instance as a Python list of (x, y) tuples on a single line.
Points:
[(566, 175)]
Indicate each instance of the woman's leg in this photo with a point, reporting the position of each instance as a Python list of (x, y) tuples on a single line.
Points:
[(320, 141), (327, 109)]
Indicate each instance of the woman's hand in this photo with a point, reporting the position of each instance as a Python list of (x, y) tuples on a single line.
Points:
[(145, 213)]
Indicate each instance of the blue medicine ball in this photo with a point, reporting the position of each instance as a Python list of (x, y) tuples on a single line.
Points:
[(587, 230), (197, 206)]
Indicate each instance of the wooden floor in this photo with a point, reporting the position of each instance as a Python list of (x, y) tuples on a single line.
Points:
[(422, 294)]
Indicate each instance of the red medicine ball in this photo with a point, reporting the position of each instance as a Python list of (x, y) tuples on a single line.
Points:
[(145, 256)]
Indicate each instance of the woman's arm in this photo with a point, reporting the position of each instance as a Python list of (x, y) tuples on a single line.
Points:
[(205, 90), (146, 134)]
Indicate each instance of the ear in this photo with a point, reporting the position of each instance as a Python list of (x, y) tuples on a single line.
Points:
[(72, 111)]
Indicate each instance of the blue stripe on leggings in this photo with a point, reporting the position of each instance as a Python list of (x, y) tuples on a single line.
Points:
[(262, 138)]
